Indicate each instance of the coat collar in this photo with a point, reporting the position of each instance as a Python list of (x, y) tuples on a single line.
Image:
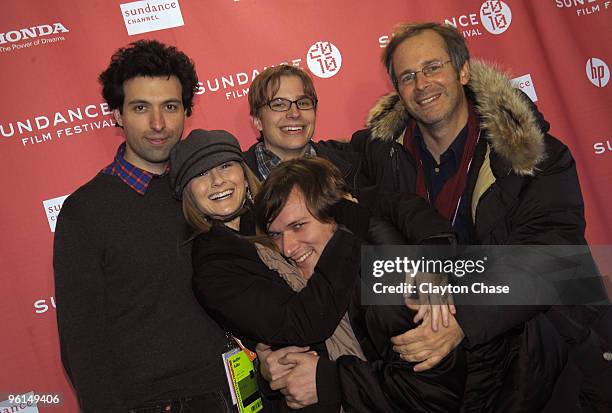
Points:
[(515, 129)]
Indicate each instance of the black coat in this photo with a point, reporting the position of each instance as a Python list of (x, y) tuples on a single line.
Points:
[(256, 304), (386, 383), (522, 189)]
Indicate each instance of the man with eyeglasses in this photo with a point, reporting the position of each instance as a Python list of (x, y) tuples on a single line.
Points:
[(457, 133), (283, 107)]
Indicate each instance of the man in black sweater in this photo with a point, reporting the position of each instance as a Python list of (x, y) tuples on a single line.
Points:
[(132, 335)]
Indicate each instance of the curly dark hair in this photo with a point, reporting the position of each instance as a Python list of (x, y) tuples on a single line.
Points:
[(147, 58)]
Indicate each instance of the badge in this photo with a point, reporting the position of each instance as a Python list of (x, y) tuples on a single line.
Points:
[(242, 380)]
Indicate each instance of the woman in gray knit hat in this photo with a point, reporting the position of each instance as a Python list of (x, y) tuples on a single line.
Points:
[(208, 173)]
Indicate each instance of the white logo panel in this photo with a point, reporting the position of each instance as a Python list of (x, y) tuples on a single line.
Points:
[(52, 209), (525, 84), (324, 59), (149, 16), (598, 72), (495, 16)]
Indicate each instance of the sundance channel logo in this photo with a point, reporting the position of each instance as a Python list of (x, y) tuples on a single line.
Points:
[(149, 16)]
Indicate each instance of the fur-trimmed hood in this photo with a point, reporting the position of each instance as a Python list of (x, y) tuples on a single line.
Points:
[(515, 129)]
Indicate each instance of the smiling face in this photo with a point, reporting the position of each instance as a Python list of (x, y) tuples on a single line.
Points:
[(220, 191), (152, 117), (286, 133), (434, 101), (299, 235)]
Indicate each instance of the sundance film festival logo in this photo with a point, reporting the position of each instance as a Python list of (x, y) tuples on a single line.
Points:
[(584, 7), (496, 16), (52, 209), (603, 147), (324, 59), (29, 37), (149, 16), (597, 71), (235, 85), (42, 305), (64, 124)]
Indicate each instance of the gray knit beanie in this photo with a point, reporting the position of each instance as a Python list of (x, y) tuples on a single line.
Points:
[(200, 151)]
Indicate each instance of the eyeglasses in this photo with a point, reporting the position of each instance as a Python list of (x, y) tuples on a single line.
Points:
[(427, 70), (283, 105)]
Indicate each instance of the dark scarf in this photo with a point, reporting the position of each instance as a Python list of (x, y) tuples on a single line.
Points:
[(447, 201)]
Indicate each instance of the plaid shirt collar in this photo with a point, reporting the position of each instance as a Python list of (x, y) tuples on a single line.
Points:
[(267, 160), (136, 178)]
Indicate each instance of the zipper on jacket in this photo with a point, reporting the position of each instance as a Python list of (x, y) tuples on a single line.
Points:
[(394, 165)]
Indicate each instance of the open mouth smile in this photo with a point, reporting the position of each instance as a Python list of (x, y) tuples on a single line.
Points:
[(429, 99), (292, 129), (221, 195), (303, 257)]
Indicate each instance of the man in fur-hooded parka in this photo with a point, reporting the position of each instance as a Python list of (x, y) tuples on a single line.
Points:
[(520, 187)]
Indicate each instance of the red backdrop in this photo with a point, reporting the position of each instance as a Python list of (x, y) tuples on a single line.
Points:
[(56, 133)]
